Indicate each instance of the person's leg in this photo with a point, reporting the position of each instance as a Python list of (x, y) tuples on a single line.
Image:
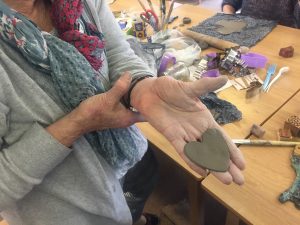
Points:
[(139, 183)]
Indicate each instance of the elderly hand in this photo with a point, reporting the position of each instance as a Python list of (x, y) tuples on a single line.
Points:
[(174, 109), (98, 112), (105, 110)]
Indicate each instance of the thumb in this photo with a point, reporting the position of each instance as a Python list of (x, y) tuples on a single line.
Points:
[(121, 87), (205, 85)]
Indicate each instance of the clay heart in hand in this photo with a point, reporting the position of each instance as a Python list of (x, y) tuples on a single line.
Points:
[(211, 153)]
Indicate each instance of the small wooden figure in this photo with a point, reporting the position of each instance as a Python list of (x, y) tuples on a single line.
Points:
[(285, 135), (293, 123), (257, 131)]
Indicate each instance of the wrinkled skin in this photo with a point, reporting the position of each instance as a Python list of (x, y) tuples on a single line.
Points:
[(169, 105), (174, 109)]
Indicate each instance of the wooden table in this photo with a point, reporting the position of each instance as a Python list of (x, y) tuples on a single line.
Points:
[(268, 174), (257, 110)]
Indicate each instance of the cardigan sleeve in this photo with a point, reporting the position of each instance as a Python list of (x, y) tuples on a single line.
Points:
[(25, 158)]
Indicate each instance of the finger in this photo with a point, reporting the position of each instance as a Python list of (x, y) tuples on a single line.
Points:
[(236, 174), (235, 154), (205, 85), (120, 88), (224, 177)]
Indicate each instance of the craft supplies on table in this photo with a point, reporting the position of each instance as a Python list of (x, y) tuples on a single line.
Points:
[(254, 60), (201, 68), (241, 83), (282, 70), (229, 60), (157, 22), (179, 71), (270, 72), (212, 41), (139, 28), (183, 48), (125, 21), (166, 62)]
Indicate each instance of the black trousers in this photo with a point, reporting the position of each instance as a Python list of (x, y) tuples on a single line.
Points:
[(139, 183)]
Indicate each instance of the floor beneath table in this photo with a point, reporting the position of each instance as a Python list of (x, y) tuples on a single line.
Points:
[(169, 199)]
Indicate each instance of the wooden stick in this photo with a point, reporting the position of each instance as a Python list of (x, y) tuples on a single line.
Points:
[(212, 41), (265, 142)]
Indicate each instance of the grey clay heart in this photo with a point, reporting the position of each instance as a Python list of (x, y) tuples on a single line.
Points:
[(229, 26), (212, 153)]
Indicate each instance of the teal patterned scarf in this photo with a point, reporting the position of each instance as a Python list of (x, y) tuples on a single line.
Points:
[(75, 79)]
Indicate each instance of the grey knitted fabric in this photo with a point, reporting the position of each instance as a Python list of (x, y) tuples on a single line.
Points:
[(254, 31), (223, 112)]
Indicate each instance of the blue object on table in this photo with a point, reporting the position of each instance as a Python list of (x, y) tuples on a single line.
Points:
[(271, 70)]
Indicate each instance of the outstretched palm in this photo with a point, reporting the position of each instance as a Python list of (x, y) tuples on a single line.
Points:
[(174, 109)]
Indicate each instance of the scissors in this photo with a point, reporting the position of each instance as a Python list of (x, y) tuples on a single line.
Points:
[(151, 18)]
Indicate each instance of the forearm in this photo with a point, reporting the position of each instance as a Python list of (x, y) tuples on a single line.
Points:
[(231, 6), (228, 9), (67, 129)]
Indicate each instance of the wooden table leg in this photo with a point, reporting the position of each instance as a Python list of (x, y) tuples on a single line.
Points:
[(196, 199), (232, 219)]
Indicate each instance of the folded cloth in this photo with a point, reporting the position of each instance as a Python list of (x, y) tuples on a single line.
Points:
[(223, 111)]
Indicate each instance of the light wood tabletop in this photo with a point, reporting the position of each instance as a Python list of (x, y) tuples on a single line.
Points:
[(268, 174)]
